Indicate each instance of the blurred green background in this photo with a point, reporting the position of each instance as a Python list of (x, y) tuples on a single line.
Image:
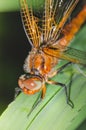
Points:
[(14, 48)]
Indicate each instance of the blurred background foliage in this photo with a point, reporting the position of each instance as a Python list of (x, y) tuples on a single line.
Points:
[(14, 48)]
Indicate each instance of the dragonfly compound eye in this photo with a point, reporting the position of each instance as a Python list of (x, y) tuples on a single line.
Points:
[(30, 85)]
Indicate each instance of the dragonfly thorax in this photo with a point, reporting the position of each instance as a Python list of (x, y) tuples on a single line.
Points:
[(39, 63)]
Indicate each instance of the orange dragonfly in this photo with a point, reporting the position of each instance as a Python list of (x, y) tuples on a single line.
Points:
[(49, 37)]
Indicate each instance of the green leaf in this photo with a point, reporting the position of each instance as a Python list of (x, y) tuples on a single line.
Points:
[(9, 5), (13, 5), (53, 112)]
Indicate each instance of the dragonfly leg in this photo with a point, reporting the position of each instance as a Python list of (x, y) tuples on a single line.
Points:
[(64, 66), (17, 92), (39, 99), (43, 91), (69, 102), (59, 69), (36, 103)]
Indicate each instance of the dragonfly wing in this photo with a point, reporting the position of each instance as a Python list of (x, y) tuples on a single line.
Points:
[(56, 13), (48, 19), (30, 24), (70, 54), (75, 55), (61, 11)]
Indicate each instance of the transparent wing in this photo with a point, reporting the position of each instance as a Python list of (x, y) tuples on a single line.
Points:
[(55, 15), (30, 24), (70, 29), (48, 19), (70, 54), (65, 9)]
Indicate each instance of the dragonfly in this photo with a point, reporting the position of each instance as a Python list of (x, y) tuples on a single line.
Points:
[(49, 37)]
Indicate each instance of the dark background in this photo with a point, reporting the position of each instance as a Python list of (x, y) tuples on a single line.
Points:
[(14, 48)]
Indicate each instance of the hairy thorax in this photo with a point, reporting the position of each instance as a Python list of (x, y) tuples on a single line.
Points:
[(38, 62)]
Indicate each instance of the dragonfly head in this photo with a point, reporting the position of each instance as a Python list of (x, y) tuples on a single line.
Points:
[(30, 84)]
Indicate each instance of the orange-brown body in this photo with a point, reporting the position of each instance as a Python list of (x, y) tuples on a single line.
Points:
[(39, 62), (47, 48), (44, 63)]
